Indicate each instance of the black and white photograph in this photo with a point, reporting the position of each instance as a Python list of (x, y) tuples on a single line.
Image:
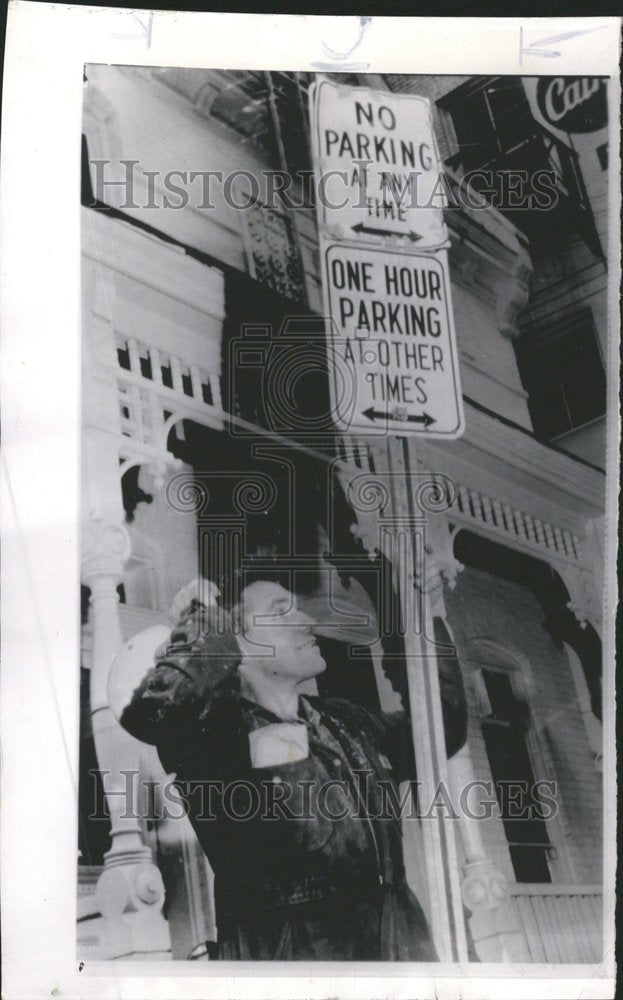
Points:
[(347, 431)]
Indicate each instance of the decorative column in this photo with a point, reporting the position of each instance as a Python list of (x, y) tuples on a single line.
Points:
[(413, 496), (484, 890), (494, 927), (130, 892)]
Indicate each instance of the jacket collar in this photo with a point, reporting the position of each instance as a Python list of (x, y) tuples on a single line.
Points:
[(260, 716)]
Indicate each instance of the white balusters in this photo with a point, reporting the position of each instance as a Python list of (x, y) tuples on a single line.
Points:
[(530, 528), (503, 518), (181, 373), (176, 375), (215, 387), (156, 372), (520, 526), (487, 510), (476, 508), (508, 517), (568, 544), (135, 360), (195, 381)]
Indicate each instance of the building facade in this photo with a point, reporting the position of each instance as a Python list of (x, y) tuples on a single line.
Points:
[(189, 461)]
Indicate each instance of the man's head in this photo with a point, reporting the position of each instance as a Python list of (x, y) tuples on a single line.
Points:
[(275, 637)]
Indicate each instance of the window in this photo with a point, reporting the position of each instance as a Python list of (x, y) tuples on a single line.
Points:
[(496, 133), (504, 732), (562, 372), (490, 118)]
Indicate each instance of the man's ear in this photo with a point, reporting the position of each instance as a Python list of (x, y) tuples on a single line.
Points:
[(235, 613), (246, 672), (243, 643)]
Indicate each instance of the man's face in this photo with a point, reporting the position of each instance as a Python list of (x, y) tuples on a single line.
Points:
[(276, 635)]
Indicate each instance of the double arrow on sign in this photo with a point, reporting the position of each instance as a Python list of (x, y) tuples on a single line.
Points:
[(362, 228), (424, 418)]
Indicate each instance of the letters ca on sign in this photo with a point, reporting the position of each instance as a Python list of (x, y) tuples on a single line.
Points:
[(573, 104)]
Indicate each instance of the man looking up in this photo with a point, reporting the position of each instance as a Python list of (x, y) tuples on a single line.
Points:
[(317, 871)]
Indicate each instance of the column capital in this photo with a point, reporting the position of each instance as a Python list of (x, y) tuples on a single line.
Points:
[(106, 547), (484, 887)]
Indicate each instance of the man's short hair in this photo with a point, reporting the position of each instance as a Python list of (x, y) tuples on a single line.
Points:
[(233, 585), (273, 569)]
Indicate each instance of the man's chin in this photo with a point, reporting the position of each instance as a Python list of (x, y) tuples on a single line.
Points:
[(313, 664)]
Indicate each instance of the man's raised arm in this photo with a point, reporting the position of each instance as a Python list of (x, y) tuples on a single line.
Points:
[(200, 654)]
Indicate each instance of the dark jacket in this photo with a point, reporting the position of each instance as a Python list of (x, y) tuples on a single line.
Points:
[(292, 881)]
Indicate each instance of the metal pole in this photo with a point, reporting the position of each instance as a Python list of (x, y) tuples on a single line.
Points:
[(447, 918)]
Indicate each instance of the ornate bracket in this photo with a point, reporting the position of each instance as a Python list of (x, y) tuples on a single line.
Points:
[(583, 597), (488, 259), (106, 547), (441, 565), (484, 887), (512, 297)]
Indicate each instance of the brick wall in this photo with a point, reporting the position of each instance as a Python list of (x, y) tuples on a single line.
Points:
[(433, 87), (484, 607)]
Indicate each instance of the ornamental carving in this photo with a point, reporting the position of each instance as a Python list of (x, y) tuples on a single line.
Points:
[(271, 247), (512, 297), (584, 601), (105, 548), (126, 888), (484, 887)]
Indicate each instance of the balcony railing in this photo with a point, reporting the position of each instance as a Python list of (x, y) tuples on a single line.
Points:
[(560, 923)]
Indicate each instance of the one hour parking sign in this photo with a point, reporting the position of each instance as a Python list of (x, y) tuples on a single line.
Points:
[(393, 363)]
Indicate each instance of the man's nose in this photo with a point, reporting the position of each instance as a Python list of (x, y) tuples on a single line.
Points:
[(304, 619)]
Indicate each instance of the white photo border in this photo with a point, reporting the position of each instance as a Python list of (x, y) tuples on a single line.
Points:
[(47, 48)]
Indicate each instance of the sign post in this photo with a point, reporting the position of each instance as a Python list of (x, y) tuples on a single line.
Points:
[(393, 372)]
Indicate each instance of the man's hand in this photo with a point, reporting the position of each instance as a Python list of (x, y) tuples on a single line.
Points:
[(200, 590), (428, 578)]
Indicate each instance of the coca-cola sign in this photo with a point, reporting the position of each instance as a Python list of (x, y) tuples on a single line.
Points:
[(573, 103)]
